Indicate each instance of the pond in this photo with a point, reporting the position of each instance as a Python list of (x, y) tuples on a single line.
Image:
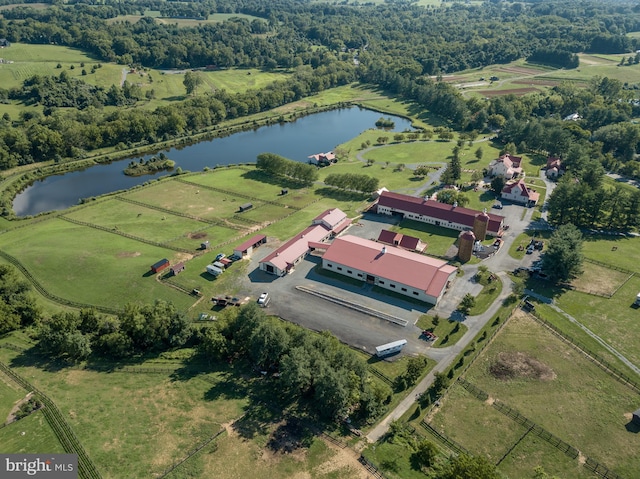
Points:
[(317, 133)]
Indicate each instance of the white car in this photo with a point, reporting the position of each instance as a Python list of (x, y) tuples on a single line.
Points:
[(264, 299)]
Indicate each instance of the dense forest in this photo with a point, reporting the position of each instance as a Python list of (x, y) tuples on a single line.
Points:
[(398, 46)]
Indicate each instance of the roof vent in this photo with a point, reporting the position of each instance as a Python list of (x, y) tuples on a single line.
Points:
[(455, 204), (384, 250)]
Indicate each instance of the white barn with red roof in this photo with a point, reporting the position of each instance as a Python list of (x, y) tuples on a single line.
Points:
[(436, 213), (283, 260), (405, 272), (518, 192)]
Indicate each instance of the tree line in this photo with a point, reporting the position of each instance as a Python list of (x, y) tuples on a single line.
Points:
[(353, 182), (276, 165)]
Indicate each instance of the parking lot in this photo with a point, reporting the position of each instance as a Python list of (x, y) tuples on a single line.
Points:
[(360, 330)]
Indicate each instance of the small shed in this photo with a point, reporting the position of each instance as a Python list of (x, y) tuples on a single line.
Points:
[(245, 207), (635, 419), (160, 265), (284, 191), (177, 268), (204, 245), (246, 248)]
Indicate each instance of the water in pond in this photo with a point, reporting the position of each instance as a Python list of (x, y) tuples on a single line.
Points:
[(297, 140)]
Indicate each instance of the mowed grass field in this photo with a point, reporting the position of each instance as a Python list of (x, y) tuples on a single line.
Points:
[(557, 388), (10, 393), (29, 435), (183, 22), (25, 61), (91, 266)]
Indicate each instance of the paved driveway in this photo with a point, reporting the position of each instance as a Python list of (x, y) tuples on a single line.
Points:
[(358, 329)]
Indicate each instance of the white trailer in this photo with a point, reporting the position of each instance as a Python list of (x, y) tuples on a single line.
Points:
[(390, 348), (214, 270)]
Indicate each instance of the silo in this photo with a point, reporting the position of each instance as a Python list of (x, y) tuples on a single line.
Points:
[(465, 245), (481, 225)]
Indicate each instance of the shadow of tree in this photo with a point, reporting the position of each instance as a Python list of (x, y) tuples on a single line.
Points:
[(342, 195), (290, 436), (257, 175), (257, 421)]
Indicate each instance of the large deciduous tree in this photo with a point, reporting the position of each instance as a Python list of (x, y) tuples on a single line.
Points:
[(563, 257), (17, 305), (468, 467), (191, 82)]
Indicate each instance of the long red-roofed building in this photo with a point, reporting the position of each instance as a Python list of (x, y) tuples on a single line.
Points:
[(283, 260), (396, 269), (436, 213)]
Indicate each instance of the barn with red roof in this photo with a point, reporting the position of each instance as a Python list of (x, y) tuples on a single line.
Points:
[(436, 213), (396, 269)]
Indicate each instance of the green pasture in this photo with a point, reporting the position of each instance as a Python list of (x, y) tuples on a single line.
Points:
[(138, 221), (614, 320), (481, 199), (29, 435), (168, 84), (414, 153), (475, 425), (28, 53), (165, 415), (599, 279), (579, 403), (393, 460), (91, 266), (390, 177), (188, 198), (28, 60), (346, 93), (620, 251), (437, 238), (235, 456), (10, 393), (578, 334), (35, 6), (216, 235), (248, 181), (182, 22), (532, 452), (265, 212)]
